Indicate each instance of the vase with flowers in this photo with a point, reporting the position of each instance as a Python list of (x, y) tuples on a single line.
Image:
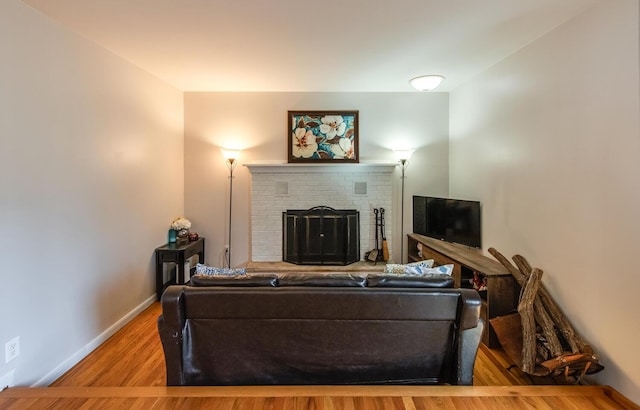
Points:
[(181, 225)]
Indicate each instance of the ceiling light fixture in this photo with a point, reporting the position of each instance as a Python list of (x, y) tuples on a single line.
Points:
[(426, 82)]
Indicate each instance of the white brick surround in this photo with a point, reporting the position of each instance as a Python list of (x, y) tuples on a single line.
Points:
[(312, 185)]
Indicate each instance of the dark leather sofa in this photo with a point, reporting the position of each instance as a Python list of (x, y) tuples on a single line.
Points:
[(301, 329)]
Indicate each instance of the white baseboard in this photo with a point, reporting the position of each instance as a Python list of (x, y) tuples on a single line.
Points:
[(63, 367)]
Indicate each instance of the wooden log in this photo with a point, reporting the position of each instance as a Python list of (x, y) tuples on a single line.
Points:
[(519, 277), (522, 263), (576, 344), (542, 316), (525, 308), (548, 328)]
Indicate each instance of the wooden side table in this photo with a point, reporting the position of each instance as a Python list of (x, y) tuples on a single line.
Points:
[(177, 253)]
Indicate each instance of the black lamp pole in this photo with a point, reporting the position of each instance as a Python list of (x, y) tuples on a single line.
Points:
[(403, 166), (231, 165)]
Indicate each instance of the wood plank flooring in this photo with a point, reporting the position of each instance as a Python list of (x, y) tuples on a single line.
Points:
[(133, 358), (316, 397), (127, 371)]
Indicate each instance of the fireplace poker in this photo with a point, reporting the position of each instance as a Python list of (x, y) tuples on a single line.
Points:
[(385, 247), (373, 254)]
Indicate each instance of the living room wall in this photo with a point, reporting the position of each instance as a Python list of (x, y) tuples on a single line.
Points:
[(549, 140), (257, 124), (91, 172)]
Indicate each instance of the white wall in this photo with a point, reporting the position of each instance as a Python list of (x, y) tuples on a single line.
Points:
[(549, 141), (91, 176), (257, 124)]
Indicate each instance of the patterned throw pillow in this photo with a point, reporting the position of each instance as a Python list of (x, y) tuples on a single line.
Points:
[(399, 269), (394, 268), (202, 269), (442, 270), (445, 269)]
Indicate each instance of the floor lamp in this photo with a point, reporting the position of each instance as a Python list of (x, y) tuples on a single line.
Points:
[(403, 160), (231, 160)]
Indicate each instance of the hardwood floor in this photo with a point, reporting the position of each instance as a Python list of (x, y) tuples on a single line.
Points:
[(316, 397), (127, 371), (133, 358)]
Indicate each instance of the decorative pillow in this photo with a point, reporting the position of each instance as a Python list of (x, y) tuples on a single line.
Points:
[(394, 268), (399, 269), (202, 269), (444, 269), (438, 270)]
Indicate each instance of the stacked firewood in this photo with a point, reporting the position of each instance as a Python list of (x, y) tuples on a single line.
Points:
[(550, 346)]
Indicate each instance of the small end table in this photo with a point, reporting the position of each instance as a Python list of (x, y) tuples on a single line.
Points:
[(177, 253)]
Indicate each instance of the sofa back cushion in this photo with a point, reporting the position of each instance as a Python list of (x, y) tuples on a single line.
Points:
[(311, 303), (410, 281), (199, 280), (328, 279)]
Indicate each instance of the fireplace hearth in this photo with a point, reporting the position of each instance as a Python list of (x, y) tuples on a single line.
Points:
[(321, 236)]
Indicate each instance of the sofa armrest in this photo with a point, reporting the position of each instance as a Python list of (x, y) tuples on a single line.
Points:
[(170, 325), (470, 309), (469, 335), (467, 353)]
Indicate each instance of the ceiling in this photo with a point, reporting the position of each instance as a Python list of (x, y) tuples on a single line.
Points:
[(311, 45)]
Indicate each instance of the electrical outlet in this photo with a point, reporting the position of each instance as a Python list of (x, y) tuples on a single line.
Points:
[(12, 349), (7, 380)]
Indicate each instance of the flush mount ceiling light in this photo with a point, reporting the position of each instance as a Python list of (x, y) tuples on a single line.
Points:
[(426, 82)]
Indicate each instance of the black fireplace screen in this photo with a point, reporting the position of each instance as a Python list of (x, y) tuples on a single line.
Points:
[(321, 236)]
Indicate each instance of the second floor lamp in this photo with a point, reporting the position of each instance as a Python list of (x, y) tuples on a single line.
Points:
[(231, 157), (403, 160)]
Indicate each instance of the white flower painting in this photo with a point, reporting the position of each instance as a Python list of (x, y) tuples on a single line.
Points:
[(333, 125), (323, 136)]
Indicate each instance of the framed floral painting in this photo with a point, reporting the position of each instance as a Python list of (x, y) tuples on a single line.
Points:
[(323, 136)]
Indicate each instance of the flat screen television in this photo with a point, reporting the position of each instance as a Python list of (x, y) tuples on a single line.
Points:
[(451, 220)]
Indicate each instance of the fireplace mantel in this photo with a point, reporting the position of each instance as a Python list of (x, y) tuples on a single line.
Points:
[(269, 167)]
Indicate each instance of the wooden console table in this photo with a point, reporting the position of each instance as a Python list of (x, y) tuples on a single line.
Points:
[(177, 253), (501, 296)]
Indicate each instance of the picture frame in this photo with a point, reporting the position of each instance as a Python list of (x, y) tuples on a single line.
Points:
[(323, 136)]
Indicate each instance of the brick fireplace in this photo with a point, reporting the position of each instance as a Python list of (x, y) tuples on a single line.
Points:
[(276, 188)]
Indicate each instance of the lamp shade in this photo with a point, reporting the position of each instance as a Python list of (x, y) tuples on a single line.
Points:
[(230, 154), (426, 82), (403, 154)]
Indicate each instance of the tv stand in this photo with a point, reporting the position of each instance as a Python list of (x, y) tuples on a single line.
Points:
[(501, 294)]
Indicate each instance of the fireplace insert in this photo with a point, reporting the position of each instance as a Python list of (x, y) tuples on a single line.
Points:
[(321, 236)]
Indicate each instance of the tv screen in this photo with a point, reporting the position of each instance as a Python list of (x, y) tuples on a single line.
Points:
[(451, 220)]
